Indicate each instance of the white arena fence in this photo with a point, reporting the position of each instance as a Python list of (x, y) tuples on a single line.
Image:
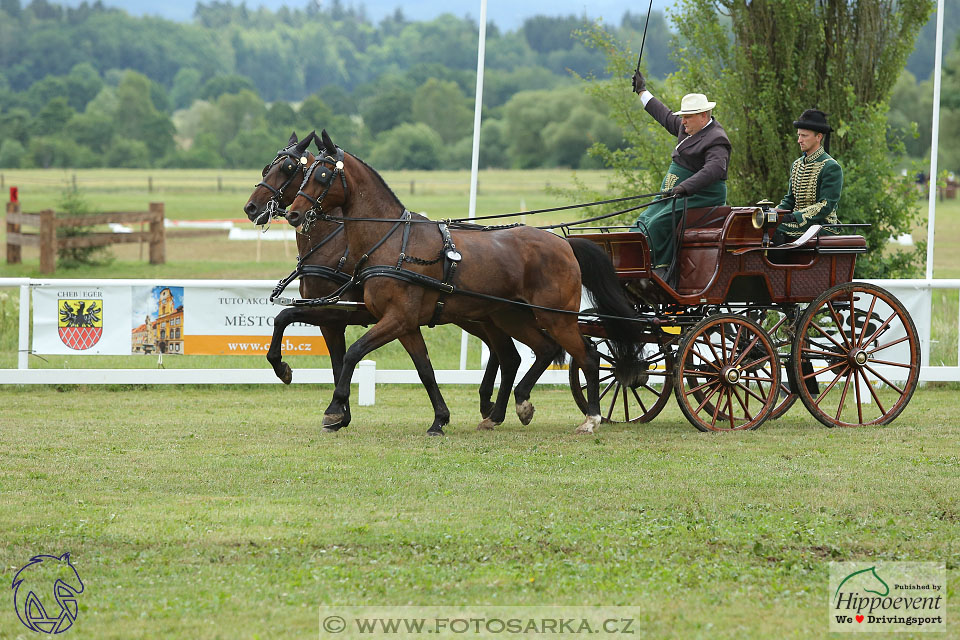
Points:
[(916, 296)]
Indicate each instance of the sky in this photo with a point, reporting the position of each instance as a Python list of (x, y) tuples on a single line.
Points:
[(508, 15)]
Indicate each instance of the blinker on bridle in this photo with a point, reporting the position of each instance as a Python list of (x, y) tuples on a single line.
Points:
[(324, 170), (291, 161)]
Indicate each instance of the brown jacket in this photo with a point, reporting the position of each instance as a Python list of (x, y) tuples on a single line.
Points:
[(706, 153)]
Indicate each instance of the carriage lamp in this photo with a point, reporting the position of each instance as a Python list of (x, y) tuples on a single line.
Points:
[(765, 218)]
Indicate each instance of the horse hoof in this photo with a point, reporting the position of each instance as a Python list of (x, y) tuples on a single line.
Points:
[(487, 425), (332, 422), (486, 407), (436, 432), (588, 425), (525, 412), (286, 374), (330, 429)]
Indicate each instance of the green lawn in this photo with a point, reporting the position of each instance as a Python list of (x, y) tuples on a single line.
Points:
[(225, 513)]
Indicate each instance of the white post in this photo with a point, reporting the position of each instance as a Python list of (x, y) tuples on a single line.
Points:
[(934, 141), (23, 348), (367, 380), (475, 163)]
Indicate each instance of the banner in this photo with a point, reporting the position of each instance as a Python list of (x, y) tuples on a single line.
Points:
[(126, 319)]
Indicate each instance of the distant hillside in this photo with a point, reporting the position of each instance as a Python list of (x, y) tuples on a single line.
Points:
[(506, 14)]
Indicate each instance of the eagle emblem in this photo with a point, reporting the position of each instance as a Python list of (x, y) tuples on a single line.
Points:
[(81, 323)]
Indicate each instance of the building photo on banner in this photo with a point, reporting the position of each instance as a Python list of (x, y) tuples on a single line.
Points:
[(370, 319)]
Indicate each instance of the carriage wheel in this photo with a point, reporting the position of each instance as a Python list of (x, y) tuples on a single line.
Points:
[(728, 374), (862, 354), (638, 400), (779, 325)]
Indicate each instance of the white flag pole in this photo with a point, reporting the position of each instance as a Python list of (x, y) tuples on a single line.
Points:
[(475, 163), (934, 141)]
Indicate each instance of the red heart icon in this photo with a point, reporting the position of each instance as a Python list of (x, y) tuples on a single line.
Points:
[(859, 618)]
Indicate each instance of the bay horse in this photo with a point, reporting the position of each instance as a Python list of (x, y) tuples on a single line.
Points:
[(323, 250), (437, 273)]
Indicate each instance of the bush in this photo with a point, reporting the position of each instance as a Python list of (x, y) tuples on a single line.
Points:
[(72, 203)]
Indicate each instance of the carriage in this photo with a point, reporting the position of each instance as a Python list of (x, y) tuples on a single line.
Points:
[(744, 327), (737, 330)]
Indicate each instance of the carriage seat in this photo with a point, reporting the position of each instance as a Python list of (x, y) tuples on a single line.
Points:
[(852, 243), (701, 237)]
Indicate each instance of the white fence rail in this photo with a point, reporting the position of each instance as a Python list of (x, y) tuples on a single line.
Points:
[(915, 294)]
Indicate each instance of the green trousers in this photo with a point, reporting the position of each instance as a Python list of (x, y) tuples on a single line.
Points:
[(659, 221)]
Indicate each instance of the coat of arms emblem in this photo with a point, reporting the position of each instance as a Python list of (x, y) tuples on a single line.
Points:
[(81, 323)]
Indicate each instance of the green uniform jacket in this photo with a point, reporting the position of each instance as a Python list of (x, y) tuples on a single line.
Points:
[(814, 191)]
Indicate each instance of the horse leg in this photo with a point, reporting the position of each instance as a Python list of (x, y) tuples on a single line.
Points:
[(523, 328), (546, 353), (493, 365), (417, 349), (334, 337), (509, 361), (564, 330), (280, 324), (486, 385), (337, 415)]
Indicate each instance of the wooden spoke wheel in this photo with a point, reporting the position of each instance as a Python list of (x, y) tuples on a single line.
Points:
[(779, 324), (856, 357), (638, 400), (727, 374)]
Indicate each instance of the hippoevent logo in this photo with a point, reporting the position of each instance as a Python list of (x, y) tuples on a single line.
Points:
[(81, 322), (45, 593), (888, 596)]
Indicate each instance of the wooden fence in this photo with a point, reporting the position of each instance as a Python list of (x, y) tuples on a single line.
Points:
[(48, 222)]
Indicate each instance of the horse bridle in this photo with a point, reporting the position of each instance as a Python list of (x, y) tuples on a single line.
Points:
[(295, 160), (324, 170)]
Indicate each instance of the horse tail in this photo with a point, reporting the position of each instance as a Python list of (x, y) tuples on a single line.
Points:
[(600, 279)]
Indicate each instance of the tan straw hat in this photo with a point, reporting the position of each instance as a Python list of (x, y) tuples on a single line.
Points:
[(694, 103)]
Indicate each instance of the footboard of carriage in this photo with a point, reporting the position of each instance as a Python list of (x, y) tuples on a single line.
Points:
[(741, 328)]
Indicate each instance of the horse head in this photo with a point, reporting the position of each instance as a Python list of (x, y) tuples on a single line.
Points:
[(865, 580), (320, 188), (33, 585), (274, 193)]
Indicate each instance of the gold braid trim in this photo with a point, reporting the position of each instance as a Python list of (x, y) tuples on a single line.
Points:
[(669, 181)]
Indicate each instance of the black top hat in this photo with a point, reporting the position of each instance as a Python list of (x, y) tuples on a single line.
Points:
[(814, 120)]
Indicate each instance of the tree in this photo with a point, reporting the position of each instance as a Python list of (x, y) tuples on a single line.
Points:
[(220, 85), (408, 146), (842, 56), (764, 63), (443, 107), (11, 154), (186, 88), (138, 119), (387, 110)]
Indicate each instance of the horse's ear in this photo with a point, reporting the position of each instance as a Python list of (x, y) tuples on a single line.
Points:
[(303, 144), (328, 143), (293, 138), (65, 557)]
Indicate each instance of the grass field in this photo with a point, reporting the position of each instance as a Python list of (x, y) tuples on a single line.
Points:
[(224, 512)]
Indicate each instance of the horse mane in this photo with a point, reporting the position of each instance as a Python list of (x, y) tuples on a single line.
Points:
[(382, 181)]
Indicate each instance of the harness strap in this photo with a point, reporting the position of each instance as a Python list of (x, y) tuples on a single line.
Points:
[(451, 260)]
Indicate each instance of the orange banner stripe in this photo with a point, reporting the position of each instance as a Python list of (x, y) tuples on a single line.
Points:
[(252, 345)]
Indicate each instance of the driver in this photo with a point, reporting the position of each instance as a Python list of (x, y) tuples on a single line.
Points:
[(698, 171), (816, 181)]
